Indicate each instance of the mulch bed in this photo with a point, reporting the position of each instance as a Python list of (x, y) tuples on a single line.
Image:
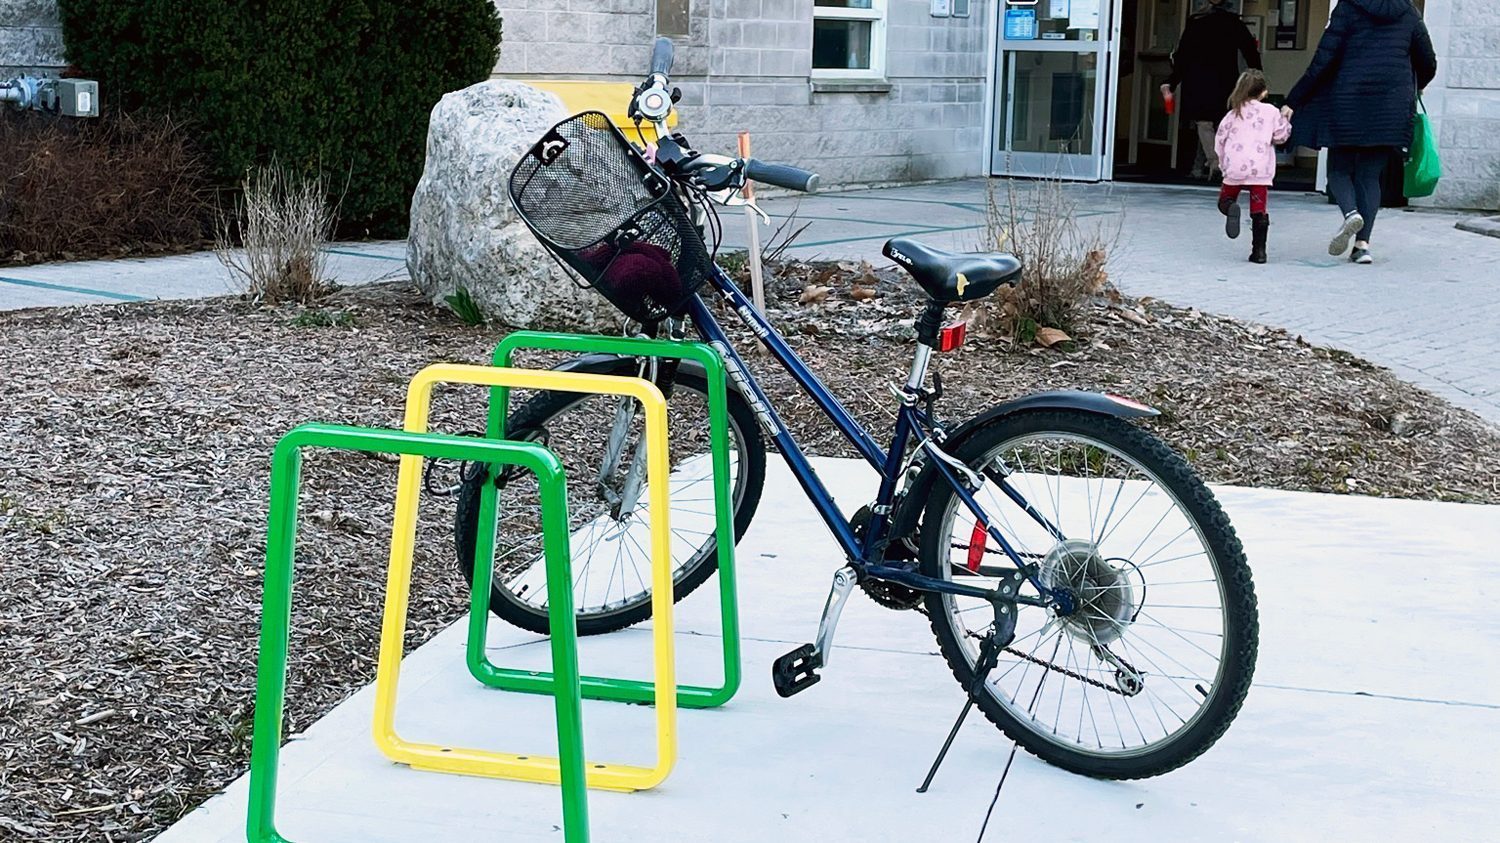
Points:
[(133, 496)]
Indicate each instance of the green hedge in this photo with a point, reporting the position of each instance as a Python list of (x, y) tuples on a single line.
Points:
[(341, 85)]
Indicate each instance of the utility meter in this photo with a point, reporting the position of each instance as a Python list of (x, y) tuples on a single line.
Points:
[(77, 97), (68, 97)]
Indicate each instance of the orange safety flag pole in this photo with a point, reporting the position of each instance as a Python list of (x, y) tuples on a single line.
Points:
[(757, 274)]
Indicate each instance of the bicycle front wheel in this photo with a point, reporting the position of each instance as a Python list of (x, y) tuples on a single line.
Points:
[(611, 533), (1154, 662)]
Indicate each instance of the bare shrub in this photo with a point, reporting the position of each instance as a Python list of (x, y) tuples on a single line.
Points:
[(273, 248), (1063, 263), (119, 185)]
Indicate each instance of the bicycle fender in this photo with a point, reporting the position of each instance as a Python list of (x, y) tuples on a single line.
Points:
[(905, 520), (1057, 399)]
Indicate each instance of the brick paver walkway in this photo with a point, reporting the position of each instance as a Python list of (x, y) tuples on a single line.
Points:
[(1429, 308)]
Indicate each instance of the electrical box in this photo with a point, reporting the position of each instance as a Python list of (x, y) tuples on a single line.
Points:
[(77, 97)]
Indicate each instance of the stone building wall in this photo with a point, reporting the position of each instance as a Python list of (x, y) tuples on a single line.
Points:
[(1464, 101), (30, 37), (747, 65)]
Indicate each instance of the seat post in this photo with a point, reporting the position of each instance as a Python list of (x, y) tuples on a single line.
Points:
[(928, 325)]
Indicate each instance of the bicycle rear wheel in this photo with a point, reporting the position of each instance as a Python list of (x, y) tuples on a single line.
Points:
[(610, 531), (1154, 663)]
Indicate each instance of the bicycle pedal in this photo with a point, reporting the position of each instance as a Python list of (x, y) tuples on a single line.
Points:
[(797, 670)]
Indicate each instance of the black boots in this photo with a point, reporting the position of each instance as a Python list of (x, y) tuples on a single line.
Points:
[(1230, 208), (1260, 226)]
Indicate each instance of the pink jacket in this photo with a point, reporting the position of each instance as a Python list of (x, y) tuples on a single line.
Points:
[(1246, 143)]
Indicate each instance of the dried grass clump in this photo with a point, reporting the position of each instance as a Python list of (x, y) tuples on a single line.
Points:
[(273, 248), (1063, 262), (120, 185)]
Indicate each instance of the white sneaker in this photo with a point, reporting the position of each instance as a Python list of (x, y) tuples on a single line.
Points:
[(1353, 222)]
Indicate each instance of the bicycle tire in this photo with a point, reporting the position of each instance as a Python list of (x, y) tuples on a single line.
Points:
[(534, 414), (1240, 623)]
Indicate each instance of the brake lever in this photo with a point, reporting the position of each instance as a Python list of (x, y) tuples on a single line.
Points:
[(733, 198)]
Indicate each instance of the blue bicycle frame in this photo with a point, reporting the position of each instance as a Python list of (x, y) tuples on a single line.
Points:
[(891, 463)]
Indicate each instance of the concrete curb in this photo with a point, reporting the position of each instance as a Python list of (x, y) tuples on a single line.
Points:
[(1488, 226)]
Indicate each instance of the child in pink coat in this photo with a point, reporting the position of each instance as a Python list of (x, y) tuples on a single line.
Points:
[(1246, 144)]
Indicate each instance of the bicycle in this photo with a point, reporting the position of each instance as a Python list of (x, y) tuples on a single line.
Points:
[(968, 525)]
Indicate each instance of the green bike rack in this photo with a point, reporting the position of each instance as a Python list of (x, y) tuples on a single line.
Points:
[(270, 693), (596, 687)]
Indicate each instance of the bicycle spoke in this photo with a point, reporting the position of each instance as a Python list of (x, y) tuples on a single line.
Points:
[(1104, 538), (1118, 502), (1185, 531)]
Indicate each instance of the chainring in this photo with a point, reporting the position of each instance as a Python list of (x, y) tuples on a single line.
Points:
[(888, 594)]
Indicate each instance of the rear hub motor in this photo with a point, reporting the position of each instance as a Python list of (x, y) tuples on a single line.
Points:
[(1104, 590)]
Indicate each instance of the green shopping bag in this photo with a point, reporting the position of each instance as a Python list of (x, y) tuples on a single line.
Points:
[(1423, 169)]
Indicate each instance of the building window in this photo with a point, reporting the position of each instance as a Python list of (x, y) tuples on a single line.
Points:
[(848, 38)]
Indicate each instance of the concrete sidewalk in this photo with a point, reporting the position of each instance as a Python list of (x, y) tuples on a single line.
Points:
[(1374, 713), (190, 276), (1429, 308)]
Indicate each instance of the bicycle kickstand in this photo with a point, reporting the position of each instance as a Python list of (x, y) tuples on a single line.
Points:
[(798, 670), (997, 639)]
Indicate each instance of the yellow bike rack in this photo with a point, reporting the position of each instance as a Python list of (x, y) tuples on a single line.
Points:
[(529, 768)]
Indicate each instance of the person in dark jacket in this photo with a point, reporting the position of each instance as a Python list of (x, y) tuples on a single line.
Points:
[(1206, 64), (1358, 100)]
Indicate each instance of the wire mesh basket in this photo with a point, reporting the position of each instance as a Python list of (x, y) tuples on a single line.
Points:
[(593, 200)]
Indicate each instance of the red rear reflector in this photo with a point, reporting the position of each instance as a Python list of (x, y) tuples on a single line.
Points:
[(1126, 402), (952, 336), (976, 545)]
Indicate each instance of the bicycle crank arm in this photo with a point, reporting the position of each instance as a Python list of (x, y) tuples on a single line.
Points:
[(798, 670), (843, 583)]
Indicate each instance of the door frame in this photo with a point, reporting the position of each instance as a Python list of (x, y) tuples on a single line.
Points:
[(1106, 94), (1144, 91)]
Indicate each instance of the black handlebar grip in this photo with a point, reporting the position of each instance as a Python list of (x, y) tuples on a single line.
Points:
[(661, 56), (781, 175)]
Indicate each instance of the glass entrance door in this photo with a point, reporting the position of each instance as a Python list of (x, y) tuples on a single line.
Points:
[(1054, 83)]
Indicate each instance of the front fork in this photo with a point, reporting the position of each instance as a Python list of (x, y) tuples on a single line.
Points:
[(663, 374)]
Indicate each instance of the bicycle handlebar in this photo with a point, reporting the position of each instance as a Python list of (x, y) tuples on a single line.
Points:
[(661, 56), (782, 175), (653, 102)]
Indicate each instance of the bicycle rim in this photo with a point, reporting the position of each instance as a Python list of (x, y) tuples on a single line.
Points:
[(610, 542), (1151, 593)]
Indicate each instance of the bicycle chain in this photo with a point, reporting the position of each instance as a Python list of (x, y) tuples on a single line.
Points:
[(1070, 674), (994, 550)]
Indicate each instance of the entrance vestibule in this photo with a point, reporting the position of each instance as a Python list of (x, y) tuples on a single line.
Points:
[(1076, 86), (1151, 145)]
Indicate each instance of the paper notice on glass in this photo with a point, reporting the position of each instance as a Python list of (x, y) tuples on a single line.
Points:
[(1020, 24), (1083, 14), (1057, 9)]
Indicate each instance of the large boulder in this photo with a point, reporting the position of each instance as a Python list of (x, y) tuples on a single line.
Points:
[(464, 232)]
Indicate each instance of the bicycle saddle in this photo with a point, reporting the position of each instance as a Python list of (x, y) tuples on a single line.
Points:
[(954, 276)]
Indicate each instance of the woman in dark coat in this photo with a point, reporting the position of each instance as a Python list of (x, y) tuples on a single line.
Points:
[(1358, 99)]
